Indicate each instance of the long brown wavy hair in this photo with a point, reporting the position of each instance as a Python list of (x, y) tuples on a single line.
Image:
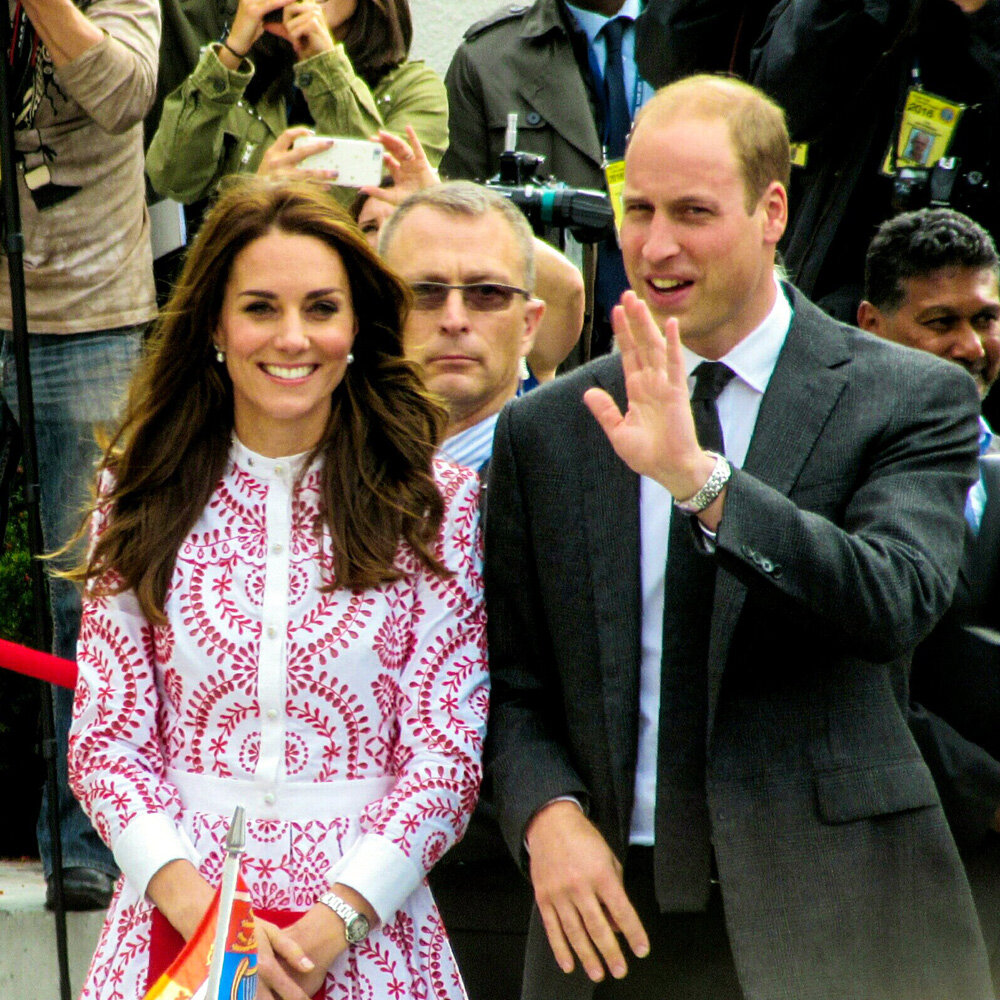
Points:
[(172, 445)]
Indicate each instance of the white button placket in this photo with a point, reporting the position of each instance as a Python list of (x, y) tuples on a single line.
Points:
[(272, 668)]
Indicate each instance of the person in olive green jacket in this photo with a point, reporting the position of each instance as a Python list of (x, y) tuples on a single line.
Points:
[(338, 67)]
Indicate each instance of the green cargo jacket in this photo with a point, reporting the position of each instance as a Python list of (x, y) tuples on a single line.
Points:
[(207, 130)]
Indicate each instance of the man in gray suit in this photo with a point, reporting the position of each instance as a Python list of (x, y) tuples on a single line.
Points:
[(701, 614), (932, 281)]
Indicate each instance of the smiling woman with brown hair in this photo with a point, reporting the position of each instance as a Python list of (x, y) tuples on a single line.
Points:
[(283, 611)]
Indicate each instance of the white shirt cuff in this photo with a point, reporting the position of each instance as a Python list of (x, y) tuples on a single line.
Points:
[(148, 843), (380, 871)]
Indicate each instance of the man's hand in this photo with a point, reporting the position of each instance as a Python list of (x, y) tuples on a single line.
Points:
[(578, 887), (656, 436)]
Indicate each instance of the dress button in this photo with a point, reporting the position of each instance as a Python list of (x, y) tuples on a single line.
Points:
[(272, 713), (269, 799), (277, 548), (279, 470), (271, 631)]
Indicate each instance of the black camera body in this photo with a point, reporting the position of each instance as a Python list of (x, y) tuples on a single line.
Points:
[(945, 185), (549, 204)]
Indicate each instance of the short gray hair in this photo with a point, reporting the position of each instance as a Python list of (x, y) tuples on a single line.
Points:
[(472, 201)]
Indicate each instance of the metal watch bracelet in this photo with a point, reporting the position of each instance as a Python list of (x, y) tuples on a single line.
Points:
[(712, 488)]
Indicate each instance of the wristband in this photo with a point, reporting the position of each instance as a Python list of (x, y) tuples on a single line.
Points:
[(237, 55)]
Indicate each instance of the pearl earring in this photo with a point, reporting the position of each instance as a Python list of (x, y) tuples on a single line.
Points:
[(350, 358), (220, 355)]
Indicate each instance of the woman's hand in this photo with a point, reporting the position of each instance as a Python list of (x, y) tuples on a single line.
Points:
[(305, 27), (180, 893), (283, 969), (248, 26), (408, 166), (282, 161), (320, 934)]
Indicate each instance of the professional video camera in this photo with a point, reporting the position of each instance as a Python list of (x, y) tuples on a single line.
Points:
[(549, 204)]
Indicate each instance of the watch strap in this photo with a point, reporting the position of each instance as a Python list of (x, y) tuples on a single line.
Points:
[(712, 488)]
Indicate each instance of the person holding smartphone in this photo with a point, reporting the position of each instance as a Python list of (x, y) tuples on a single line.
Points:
[(337, 67)]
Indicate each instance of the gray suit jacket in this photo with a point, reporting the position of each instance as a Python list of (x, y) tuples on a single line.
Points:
[(837, 552)]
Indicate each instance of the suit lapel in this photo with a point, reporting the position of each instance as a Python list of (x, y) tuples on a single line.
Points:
[(807, 381), (611, 514)]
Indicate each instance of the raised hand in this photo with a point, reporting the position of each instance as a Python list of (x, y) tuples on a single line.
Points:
[(578, 888), (305, 27), (408, 166), (656, 436), (248, 25)]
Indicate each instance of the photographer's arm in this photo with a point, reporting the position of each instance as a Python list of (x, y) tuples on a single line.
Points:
[(106, 58), (560, 285), (64, 29)]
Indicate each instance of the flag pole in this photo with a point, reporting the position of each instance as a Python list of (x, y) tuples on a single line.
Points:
[(236, 840)]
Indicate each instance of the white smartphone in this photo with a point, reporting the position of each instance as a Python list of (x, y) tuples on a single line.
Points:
[(356, 161)]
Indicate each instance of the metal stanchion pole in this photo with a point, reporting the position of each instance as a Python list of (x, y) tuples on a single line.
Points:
[(14, 248)]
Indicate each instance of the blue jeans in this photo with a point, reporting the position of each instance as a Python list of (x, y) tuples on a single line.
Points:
[(77, 381)]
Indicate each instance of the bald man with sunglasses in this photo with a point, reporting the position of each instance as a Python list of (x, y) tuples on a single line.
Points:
[(468, 255)]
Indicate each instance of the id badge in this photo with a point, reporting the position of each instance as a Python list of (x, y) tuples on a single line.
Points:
[(926, 130), (614, 177)]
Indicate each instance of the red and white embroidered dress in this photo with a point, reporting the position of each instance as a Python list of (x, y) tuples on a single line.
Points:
[(349, 725)]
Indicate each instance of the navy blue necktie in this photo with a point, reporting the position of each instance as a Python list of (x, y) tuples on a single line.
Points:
[(682, 835), (617, 118)]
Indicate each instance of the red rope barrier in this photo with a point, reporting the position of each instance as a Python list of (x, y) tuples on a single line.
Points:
[(44, 666)]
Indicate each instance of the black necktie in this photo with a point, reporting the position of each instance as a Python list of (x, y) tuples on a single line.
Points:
[(682, 847), (617, 119)]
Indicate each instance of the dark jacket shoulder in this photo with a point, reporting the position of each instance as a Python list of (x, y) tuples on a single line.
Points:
[(511, 12)]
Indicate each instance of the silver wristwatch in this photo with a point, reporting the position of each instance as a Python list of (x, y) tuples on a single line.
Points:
[(712, 488), (356, 925)]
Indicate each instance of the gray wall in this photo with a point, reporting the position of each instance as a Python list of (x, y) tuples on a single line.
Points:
[(438, 26)]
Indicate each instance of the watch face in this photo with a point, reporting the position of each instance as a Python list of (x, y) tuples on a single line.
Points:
[(357, 929)]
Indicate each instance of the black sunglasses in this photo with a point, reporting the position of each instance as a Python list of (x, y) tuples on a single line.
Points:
[(480, 296)]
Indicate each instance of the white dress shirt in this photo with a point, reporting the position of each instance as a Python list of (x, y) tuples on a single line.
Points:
[(753, 360)]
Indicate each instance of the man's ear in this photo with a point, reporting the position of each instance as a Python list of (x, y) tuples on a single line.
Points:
[(775, 202), (870, 318), (533, 312)]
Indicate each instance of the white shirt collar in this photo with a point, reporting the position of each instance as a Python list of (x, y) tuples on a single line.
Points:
[(754, 357), (591, 22)]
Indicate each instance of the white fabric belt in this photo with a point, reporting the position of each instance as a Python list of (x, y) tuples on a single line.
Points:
[(315, 800)]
